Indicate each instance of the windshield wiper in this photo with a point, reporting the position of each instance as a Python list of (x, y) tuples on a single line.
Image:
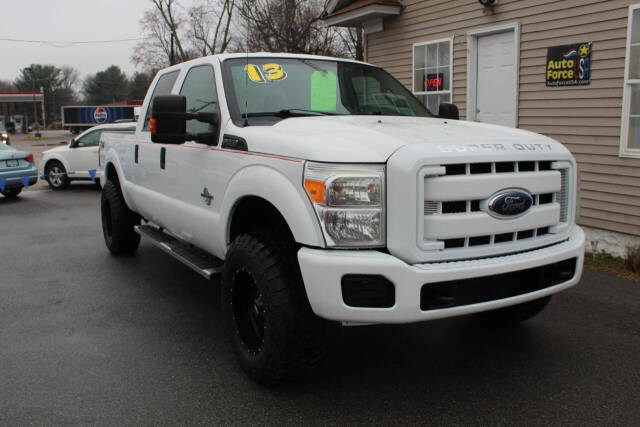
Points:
[(292, 112), (380, 113)]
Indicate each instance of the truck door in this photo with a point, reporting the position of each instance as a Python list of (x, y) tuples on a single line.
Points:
[(146, 160), (195, 174)]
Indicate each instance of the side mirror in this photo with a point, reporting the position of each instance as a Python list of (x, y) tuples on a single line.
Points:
[(169, 121), (448, 111), (73, 143)]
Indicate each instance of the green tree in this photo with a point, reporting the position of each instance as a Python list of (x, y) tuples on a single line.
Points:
[(106, 87), (138, 85), (49, 78)]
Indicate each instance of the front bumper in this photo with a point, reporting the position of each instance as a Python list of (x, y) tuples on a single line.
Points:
[(323, 270)]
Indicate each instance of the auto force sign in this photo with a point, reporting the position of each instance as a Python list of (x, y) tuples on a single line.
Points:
[(569, 65)]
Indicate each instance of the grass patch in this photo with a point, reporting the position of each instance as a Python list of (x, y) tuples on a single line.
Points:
[(607, 263)]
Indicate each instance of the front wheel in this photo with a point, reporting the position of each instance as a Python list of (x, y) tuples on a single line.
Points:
[(118, 222), (56, 175), (516, 313), (274, 333)]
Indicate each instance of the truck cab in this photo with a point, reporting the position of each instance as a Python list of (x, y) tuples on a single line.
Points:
[(320, 189)]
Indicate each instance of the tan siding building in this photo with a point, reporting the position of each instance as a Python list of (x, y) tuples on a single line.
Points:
[(447, 51)]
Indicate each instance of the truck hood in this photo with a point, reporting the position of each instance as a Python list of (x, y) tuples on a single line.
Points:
[(374, 138)]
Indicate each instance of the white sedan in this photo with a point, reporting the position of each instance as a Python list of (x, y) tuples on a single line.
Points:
[(77, 160)]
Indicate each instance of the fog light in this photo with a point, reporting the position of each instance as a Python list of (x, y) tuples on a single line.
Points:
[(373, 291)]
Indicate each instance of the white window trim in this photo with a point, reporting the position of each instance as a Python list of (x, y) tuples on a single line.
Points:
[(413, 68), (472, 66), (626, 94)]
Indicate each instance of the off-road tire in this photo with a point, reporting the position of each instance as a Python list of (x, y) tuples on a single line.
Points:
[(515, 313), (56, 175), (293, 337), (118, 221), (10, 193)]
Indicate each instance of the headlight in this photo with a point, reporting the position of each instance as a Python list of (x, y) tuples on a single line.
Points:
[(349, 201)]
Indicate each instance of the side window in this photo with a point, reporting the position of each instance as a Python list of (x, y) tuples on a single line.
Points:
[(630, 136), (200, 90), (163, 87), (89, 140), (373, 97)]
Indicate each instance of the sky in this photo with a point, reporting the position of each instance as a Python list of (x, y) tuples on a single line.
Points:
[(64, 21)]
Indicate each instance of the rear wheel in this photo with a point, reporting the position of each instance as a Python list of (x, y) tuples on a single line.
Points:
[(274, 333), (11, 192), (118, 221), (56, 175), (516, 313)]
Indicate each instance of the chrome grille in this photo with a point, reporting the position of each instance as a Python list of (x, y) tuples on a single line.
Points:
[(432, 207), (563, 196), (497, 167), (495, 239), (455, 221)]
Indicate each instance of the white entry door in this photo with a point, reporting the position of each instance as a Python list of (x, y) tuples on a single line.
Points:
[(496, 79)]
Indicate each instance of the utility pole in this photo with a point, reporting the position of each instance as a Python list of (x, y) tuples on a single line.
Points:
[(33, 90), (44, 117)]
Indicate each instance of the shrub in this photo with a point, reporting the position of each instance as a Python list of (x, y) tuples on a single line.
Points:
[(633, 258)]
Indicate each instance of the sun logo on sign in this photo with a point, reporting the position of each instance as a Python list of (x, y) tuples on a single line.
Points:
[(583, 51)]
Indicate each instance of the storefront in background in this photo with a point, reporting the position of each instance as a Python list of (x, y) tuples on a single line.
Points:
[(569, 69)]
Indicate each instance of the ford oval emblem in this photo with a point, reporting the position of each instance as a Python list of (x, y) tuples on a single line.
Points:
[(509, 203)]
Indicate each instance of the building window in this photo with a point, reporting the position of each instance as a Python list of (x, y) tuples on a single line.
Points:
[(432, 72), (630, 130)]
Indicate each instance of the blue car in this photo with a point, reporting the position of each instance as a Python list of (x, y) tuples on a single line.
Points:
[(17, 170)]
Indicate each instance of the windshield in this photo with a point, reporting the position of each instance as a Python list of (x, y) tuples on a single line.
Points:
[(276, 88)]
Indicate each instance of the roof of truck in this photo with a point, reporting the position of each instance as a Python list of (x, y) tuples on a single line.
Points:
[(224, 56)]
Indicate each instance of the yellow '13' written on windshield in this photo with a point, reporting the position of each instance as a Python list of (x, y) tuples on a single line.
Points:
[(269, 72)]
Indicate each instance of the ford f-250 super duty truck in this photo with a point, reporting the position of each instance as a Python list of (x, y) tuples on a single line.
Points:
[(322, 189)]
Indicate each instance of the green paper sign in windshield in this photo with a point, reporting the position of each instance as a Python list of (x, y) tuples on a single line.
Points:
[(324, 91)]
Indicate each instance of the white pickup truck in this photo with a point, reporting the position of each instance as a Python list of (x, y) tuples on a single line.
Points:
[(322, 189)]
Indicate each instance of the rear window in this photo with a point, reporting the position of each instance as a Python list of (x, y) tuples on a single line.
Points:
[(5, 147)]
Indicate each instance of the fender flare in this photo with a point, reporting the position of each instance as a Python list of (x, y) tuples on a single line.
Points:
[(271, 185), (113, 160), (56, 157)]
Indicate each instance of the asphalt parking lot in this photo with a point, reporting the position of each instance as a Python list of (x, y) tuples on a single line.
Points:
[(87, 338)]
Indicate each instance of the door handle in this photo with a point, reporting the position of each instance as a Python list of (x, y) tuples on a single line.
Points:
[(163, 157), (135, 154)]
